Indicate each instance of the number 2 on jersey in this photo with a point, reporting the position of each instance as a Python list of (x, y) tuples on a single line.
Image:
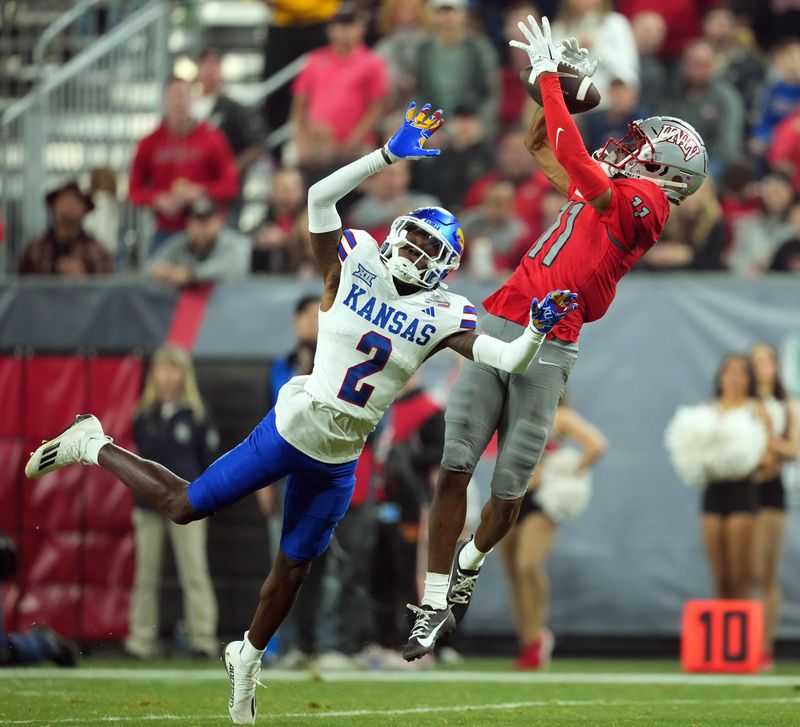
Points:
[(378, 348), (571, 209)]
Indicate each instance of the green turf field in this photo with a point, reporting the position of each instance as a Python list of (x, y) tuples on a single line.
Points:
[(480, 692)]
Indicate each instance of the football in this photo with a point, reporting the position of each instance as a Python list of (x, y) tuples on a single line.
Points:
[(580, 94)]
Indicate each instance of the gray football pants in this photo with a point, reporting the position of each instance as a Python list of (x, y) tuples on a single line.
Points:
[(521, 407)]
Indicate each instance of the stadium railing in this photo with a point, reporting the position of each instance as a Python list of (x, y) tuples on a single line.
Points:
[(89, 112)]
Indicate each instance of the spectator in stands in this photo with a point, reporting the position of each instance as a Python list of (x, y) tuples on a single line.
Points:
[(206, 251), (529, 182), (304, 264), (41, 643), (780, 97), (387, 196), (784, 447), (180, 162), (104, 220), (694, 236), (558, 490), (295, 28), (606, 34), (739, 196), (784, 150), (650, 31), (275, 248), (351, 571), (735, 51), (304, 632), (771, 21), (756, 238), (341, 91), (515, 104), (497, 227), (787, 256), (709, 103), (401, 25), (241, 127), (66, 248), (172, 428), (623, 106), (681, 18), (467, 154), (415, 435), (457, 66), (301, 359)]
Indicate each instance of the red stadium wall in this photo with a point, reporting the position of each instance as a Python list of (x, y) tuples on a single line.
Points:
[(73, 526)]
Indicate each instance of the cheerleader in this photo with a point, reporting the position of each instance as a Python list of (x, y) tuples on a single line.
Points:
[(721, 446), (559, 489), (784, 445)]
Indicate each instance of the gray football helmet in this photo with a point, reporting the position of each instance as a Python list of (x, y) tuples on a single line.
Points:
[(664, 149)]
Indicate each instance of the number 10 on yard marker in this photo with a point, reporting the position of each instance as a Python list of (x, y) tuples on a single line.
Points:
[(722, 636)]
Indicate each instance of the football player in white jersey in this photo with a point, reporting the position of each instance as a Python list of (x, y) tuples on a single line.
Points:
[(384, 311)]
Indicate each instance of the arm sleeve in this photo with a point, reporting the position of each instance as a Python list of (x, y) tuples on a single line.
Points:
[(323, 196), (565, 140), (512, 356)]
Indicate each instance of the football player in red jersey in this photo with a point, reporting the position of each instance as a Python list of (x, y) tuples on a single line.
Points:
[(618, 200)]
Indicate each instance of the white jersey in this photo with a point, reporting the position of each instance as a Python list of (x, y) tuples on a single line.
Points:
[(370, 343)]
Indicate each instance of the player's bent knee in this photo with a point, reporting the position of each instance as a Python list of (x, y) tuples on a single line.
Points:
[(291, 572), (459, 457)]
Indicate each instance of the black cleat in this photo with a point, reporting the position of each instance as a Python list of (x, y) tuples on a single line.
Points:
[(430, 625), (462, 584)]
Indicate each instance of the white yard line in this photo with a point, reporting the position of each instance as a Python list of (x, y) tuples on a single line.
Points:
[(502, 706), (487, 677)]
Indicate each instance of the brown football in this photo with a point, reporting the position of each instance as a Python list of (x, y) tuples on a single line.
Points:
[(580, 94)]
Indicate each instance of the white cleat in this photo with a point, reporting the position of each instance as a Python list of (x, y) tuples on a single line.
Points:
[(244, 680), (67, 448)]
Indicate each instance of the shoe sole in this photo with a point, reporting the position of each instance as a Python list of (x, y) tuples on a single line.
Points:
[(33, 467), (418, 650)]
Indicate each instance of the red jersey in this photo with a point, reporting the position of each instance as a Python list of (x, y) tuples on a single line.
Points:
[(585, 252), (202, 156)]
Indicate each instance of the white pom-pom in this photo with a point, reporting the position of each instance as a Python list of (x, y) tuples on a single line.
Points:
[(707, 445), (688, 435), (740, 444), (564, 492)]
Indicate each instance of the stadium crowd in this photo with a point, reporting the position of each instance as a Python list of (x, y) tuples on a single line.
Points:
[(729, 67)]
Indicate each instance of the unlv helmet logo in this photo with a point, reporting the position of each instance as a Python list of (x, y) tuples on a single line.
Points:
[(681, 138)]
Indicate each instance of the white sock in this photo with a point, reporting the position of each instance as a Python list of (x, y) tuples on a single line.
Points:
[(435, 595), (93, 447), (248, 653), (470, 558)]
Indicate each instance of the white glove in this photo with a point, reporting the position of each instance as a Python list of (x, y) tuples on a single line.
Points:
[(543, 54), (573, 55)]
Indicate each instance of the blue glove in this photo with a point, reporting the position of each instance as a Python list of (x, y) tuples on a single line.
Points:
[(409, 140), (556, 305)]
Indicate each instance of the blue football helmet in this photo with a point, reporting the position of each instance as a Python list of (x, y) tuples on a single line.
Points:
[(441, 252)]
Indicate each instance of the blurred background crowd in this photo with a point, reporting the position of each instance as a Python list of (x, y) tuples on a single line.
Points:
[(224, 179)]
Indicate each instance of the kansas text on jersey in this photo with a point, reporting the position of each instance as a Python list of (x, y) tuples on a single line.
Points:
[(370, 343)]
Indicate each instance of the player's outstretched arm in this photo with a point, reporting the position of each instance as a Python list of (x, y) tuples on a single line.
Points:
[(324, 223), (538, 146), (515, 356), (564, 137)]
